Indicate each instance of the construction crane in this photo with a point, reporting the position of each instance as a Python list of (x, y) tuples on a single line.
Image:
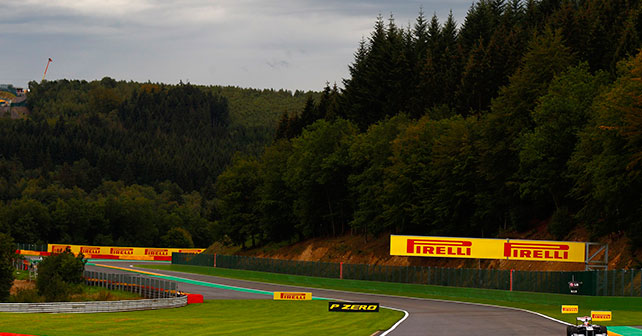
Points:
[(47, 67)]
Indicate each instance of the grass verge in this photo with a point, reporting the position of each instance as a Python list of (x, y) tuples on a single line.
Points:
[(20, 275), (218, 317), (626, 310)]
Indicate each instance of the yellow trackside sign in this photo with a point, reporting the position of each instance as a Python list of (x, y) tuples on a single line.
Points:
[(478, 248), (444, 247), (539, 250), (601, 315), (364, 307), (295, 296), (570, 309)]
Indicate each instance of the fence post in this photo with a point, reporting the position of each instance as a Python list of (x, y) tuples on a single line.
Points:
[(613, 281), (214, 260), (428, 279), (414, 275), (511, 279), (341, 270), (448, 272)]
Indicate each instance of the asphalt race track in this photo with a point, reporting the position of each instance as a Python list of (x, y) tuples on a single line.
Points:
[(426, 317)]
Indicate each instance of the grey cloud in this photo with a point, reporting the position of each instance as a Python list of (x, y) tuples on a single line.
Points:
[(309, 42), (278, 64)]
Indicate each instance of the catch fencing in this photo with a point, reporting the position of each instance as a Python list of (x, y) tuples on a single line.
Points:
[(476, 278), (147, 287), (306, 268), (595, 283), (32, 247), (619, 283)]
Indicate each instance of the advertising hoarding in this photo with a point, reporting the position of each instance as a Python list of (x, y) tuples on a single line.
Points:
[(118, 252), (480, 248)]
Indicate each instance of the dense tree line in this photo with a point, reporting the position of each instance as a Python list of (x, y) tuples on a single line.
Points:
[(528, 111), (7, 257), (113, 213), (113, 162), (139, 133)]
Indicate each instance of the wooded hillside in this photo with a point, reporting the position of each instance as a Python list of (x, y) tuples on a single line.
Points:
[(109, 162), (528, 110)]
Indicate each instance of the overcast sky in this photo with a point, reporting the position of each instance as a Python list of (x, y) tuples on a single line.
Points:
[(290, 44)]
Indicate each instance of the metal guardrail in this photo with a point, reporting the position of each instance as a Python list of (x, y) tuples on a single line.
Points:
[(159, 294), (148, 287), (32, 247), (94, 306)]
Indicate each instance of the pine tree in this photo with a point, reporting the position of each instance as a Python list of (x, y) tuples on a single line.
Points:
[(328, 107), (282, 127)]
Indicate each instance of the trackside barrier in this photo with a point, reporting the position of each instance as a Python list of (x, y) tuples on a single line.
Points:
[(194, 259), (32, 247), (121, 252), (159, 294), (93, 306), (104, 252), (308, 268), (148, 287), (596, 283)]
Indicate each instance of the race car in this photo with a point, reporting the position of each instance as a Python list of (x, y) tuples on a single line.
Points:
[(584, 327)]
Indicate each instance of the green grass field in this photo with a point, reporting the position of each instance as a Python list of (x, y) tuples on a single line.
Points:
[(20, 275), (626, 310), (219, 317)]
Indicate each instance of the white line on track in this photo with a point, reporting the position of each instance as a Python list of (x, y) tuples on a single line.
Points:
[(405, 316)]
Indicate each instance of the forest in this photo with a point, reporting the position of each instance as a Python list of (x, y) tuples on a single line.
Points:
[(526, 111), (113, 162)]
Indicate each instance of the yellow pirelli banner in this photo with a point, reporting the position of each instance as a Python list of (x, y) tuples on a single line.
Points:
[(479, 248), (570, 309), (117, 252), (293, 296), (601, 315)]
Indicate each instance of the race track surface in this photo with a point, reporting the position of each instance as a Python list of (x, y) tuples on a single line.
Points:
[(426, 317)]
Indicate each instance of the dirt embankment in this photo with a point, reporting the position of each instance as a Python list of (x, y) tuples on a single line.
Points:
[(354, 249), (21, 284)]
